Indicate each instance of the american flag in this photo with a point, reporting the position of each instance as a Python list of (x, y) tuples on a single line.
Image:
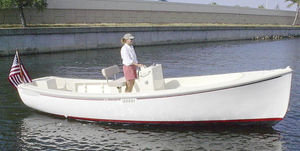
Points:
[(18, 74)]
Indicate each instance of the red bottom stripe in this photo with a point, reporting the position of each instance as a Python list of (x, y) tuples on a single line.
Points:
[(275, 120)]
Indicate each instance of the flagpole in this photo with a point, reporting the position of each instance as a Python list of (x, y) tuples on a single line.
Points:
[(21, 71)]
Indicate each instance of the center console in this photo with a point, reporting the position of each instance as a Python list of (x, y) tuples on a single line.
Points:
[(150, 79)]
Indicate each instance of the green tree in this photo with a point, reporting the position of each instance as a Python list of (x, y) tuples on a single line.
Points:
[(21, 4), (293, 2), (261, 7), (214, 3)]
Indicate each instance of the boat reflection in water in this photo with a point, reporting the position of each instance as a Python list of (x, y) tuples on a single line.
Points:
[(41, 132)]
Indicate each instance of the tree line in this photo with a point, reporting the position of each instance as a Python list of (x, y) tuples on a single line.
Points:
[(21, 4)]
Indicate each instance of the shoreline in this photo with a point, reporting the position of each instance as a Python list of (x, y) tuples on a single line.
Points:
[(61, 39), (32, 26)]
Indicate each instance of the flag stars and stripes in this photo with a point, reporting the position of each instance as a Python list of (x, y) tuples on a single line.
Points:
[(18, 73)]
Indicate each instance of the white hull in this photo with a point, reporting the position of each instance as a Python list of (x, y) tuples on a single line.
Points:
[(264, 99)]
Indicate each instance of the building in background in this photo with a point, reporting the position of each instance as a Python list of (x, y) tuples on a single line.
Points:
[(141, 11)]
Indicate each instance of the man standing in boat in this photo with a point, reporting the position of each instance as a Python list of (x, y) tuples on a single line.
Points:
[(129, 61)]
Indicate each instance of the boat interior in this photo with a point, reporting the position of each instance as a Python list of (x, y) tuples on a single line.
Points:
[(150, 79)]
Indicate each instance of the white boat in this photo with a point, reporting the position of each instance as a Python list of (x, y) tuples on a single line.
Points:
[(256, 97)]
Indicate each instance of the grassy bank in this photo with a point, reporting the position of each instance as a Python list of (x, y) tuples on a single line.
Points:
[(5, 26)]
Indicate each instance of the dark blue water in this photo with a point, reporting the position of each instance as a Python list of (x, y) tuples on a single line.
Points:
[(22, 128)]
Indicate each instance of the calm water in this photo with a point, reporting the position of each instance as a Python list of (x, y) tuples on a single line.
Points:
[(22, 128)]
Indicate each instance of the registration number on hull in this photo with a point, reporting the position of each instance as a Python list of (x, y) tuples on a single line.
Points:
[(128, 100)]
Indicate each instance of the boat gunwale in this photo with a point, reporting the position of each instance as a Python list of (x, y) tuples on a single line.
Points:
[(151, 95)]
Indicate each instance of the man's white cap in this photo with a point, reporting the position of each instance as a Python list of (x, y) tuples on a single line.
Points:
[(128, 36)]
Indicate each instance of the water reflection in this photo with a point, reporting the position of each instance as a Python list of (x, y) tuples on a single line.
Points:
[(41, 132)]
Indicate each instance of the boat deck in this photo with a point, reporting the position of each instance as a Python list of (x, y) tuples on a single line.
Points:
[(94, 86)]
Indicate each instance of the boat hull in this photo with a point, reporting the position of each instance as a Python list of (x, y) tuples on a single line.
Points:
[(252, 103)]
